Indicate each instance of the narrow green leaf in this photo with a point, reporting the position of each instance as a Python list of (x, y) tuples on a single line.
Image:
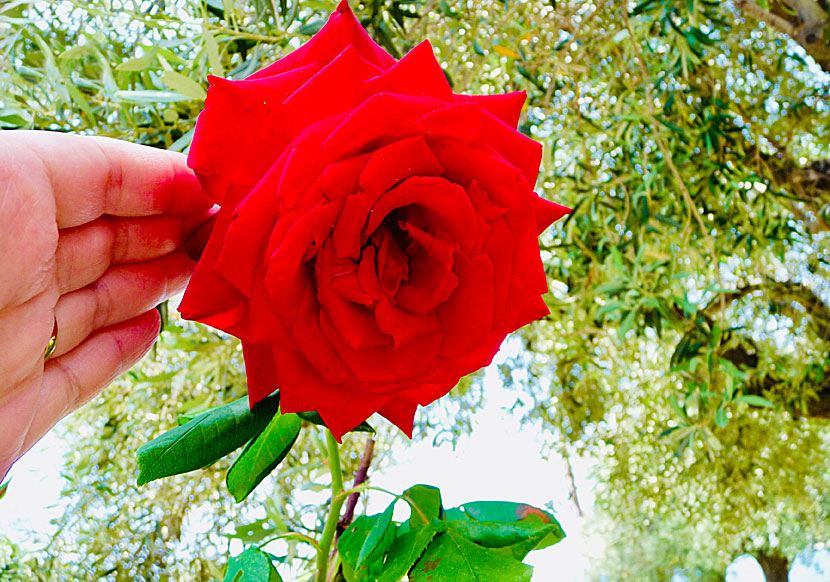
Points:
[(204, 440), (452, 557), (364, 543), (407, 549), (263, 454), (212, 49), (138, 64), (184, 85), (252, 565), (427, 502), (75, 52), (148, 97), (4, 487), (754, 400), (720, 417), (377, 539)]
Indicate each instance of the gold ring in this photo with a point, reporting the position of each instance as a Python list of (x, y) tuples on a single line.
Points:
[(53, 341)]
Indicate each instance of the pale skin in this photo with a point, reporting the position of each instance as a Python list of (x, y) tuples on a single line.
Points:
[(91, 236)]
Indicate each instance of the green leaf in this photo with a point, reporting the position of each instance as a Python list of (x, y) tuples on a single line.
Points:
[(314, 418), (263, 454), (212, 49), (4, 487), (252, 565), (377, 539), (426, 500), (137, 64), (365, 541), (75, 52), (311, 28), (204, 440), (184, 85), (520, 538), (753, 400), (148, 97), (407, 549), (452, 557), (720, 417), (509, 513)]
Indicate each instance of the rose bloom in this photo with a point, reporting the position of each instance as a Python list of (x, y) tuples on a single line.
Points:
[(377, 238)]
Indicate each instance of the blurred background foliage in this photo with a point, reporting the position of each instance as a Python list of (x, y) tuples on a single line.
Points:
[(687, 353)]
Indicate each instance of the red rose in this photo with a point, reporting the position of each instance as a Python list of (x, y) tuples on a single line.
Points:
[(378, 234)]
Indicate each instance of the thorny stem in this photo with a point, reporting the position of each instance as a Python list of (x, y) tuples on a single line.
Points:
[(334, 511), (359, 478)]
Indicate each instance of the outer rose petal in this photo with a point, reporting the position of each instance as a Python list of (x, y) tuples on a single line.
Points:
[(243, 129), (507, 107), (260, 370), (341, 30)]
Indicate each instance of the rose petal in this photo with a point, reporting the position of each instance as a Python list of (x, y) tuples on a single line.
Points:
[(304, 164), (518, 149), (507, 107), (547, 213), (382, 369), (484, 207), (381, 120), (401, 413), (466, 316), (313, 101), (428, 392), (251, 225), (209, 298), (302, 389), (386, 167), (392, 262), (403, 326), (341, 30), (436, 205), (417, 74), (243, 129), (458, 121), (504, 183), (498, 247), (355, 323), (431, 278), (315, 345), (367, 274), (260, 369)]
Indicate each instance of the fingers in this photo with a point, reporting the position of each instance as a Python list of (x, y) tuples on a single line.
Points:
[(75, 378), (119, 295), (93, 176), (84, 253), (24, 333)]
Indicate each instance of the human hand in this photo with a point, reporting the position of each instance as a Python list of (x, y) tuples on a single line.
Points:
[(91, 233)]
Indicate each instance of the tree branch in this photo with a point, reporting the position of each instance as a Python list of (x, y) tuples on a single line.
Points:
[(777, 22), (809, 27), (360, 477)]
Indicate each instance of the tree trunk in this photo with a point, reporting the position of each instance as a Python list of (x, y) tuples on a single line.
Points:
[(775, 566)]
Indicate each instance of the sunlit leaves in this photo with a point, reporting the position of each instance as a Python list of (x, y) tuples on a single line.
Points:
[(482, 541)]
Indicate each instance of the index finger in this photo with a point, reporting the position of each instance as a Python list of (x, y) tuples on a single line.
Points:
[(93, 176)]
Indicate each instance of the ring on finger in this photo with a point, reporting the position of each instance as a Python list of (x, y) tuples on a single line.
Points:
[(53, 341)]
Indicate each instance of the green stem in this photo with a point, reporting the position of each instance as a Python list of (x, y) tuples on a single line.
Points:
[(334, 512)]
